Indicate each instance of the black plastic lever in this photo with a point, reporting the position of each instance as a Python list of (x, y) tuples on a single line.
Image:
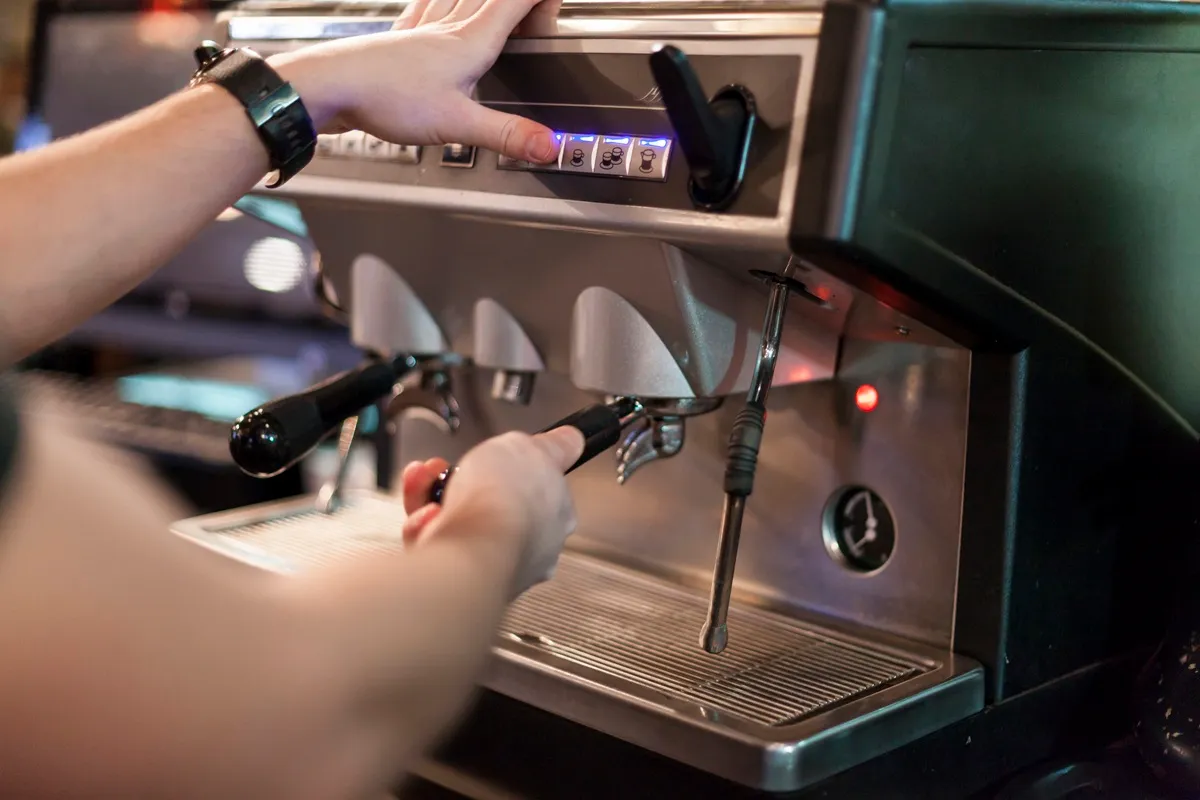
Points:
[(601, 426), (271, 440), (715, 135)]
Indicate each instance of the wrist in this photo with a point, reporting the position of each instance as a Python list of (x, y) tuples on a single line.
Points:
[(314, 81)]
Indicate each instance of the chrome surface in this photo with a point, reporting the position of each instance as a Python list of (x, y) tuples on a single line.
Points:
[(306, 21), (790, 703), (513, 387), (387, 316), (428, 393), (714, 635), (649, 440), (329, 499), (501, 342), (630, 292), (439, 192)]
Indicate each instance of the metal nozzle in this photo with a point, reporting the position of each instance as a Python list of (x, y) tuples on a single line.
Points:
[(744, 444)]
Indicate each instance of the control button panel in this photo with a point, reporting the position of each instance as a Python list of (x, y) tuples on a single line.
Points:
[(457, 155), (616, 156), (358, 145)]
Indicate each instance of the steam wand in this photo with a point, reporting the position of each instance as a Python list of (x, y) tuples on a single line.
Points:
[(744, 444)]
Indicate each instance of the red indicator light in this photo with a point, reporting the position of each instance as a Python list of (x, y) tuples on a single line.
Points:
[(866, 398)]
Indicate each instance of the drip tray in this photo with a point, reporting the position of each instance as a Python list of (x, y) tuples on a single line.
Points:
[(787, 704)]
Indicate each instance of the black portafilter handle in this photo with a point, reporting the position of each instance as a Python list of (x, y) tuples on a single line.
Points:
[(601, 426), (271, 440)]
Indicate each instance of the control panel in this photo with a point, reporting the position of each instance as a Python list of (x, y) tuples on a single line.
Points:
[(627, 156)]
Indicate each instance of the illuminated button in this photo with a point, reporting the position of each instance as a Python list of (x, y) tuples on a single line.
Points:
[(327, 146), (579, 152), (406, 153), (614, 155), (374, 147), (351, 144), (649, 159), (458, 155)]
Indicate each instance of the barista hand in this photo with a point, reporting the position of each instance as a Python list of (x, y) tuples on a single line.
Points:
[(414, 84), (517, 482)]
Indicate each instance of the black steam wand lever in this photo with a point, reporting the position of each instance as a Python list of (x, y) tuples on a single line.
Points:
[(271, 440), (715, 135), (601, 426)]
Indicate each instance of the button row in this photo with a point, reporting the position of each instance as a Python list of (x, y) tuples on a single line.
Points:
[(618, 156), (357, 144)]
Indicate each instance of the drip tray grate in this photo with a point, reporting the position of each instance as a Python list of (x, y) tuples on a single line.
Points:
[(787, 704), (774, 671)]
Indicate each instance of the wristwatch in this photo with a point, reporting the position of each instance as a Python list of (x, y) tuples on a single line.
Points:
[(278, 113)]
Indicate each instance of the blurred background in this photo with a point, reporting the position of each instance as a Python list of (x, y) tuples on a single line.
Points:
[(16, 18), (230, 323)]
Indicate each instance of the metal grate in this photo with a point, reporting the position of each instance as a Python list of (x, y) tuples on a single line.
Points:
[(305, 537), (775, 671)]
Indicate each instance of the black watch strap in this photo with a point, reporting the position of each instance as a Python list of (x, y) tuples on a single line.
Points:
[(278, 113)]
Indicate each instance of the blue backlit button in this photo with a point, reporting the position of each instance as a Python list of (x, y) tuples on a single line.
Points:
[(458, 155), (649, 159), (613, 158), (579, 152)]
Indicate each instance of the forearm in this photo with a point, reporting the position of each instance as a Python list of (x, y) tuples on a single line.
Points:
[(154, 668), (85, 220), (440, 606)]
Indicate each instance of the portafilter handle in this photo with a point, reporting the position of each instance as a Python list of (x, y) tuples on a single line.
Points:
[(601, 426), (271, 440)]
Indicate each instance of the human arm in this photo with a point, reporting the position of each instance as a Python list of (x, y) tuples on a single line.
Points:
[(137, 664), (85, 220)]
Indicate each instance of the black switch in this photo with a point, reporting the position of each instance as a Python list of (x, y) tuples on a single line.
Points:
[(714, 135)]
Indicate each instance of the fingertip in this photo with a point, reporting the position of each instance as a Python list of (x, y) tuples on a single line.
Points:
[(542, 146), (418, 521), (565, 445)]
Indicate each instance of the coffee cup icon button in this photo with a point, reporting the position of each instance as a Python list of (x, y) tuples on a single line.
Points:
[(577, 158), (648, 158)]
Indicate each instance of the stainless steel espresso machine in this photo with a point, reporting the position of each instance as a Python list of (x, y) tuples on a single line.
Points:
[(890, 436)]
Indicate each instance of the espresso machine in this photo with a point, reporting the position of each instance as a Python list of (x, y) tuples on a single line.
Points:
[(865, 306)]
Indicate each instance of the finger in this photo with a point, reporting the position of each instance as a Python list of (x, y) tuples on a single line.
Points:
[(499, 18), (411, 16), (515, 137), (465, 10), (564, 446), (436, 11), (542, 21), (417, 481), (418, 522)]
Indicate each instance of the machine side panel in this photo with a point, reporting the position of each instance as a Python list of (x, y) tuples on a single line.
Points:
[(1029, 174)]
